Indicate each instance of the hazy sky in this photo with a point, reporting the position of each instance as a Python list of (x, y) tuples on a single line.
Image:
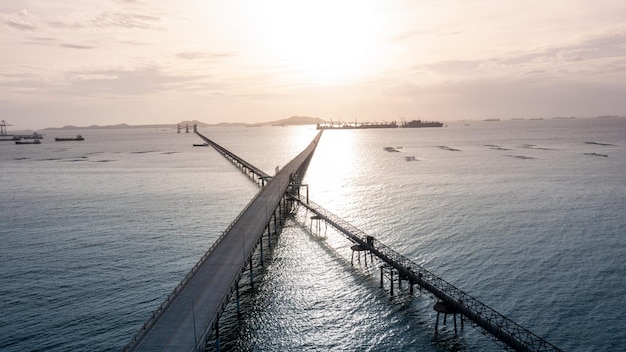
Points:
[(87, 62)]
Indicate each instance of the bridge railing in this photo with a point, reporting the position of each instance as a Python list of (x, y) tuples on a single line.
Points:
[(501, 328)]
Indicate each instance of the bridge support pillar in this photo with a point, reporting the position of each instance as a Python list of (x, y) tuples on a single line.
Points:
[(441, 307), (237, 297), (261, 250), (251, 274), (284, 214), (318, 226), (275, 225), (217, 335), (454, 317), (391, 280)]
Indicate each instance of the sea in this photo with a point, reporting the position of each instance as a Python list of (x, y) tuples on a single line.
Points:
[(526, 216)]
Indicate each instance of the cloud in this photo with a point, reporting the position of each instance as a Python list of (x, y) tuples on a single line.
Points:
[(124, 20), (75, 46), (49, 41), (44, 41), (451, 66), (22, 22), (134, 43), (587, 59), (25, 22), (102, 82), (196, 55), (105, 19), (137, 81), (404, 36)]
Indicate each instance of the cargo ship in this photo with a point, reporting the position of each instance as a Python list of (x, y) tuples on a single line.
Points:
[(26, 141), (420, 123), (77, 138), (357, 126)]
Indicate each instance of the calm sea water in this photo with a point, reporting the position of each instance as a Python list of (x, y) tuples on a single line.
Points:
[(95, 234)]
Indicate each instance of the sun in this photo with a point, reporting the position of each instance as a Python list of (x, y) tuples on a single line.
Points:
[(320, 42)]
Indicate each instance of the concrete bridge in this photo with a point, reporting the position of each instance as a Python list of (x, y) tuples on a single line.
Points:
[(191, 312)]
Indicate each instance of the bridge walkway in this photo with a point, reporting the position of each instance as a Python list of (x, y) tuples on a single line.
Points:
[(258, 175), (500, 328), (184, 321)]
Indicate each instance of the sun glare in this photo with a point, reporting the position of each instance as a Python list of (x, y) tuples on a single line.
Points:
[(336, 153), (321, 42)]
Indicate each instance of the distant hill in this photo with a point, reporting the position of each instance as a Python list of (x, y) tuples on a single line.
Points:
[(203, 124), (293, 120), (118, 126)]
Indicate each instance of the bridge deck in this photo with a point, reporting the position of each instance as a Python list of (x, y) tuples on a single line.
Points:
[(233, 157), (183, 321)]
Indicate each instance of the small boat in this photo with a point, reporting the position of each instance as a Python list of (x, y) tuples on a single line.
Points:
[(391, 149), (8, 138), (77, 138), (201, 145), (26, 141)]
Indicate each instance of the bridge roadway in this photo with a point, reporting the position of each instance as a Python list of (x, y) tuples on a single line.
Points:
[(184, 321)]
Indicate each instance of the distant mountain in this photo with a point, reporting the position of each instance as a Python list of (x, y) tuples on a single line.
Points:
[(293, 120), (203, 124), (118, 126)]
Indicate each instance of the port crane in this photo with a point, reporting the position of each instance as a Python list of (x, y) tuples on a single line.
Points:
[(3, 127)]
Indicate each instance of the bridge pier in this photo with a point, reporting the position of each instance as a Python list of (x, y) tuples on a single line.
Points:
[(217, 335), (316, 219), (318, 225), (401, 278), (261, 249), (391, 278), (441, 307), (251, 273), (237, 297), (358, 248), (391, 281)]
